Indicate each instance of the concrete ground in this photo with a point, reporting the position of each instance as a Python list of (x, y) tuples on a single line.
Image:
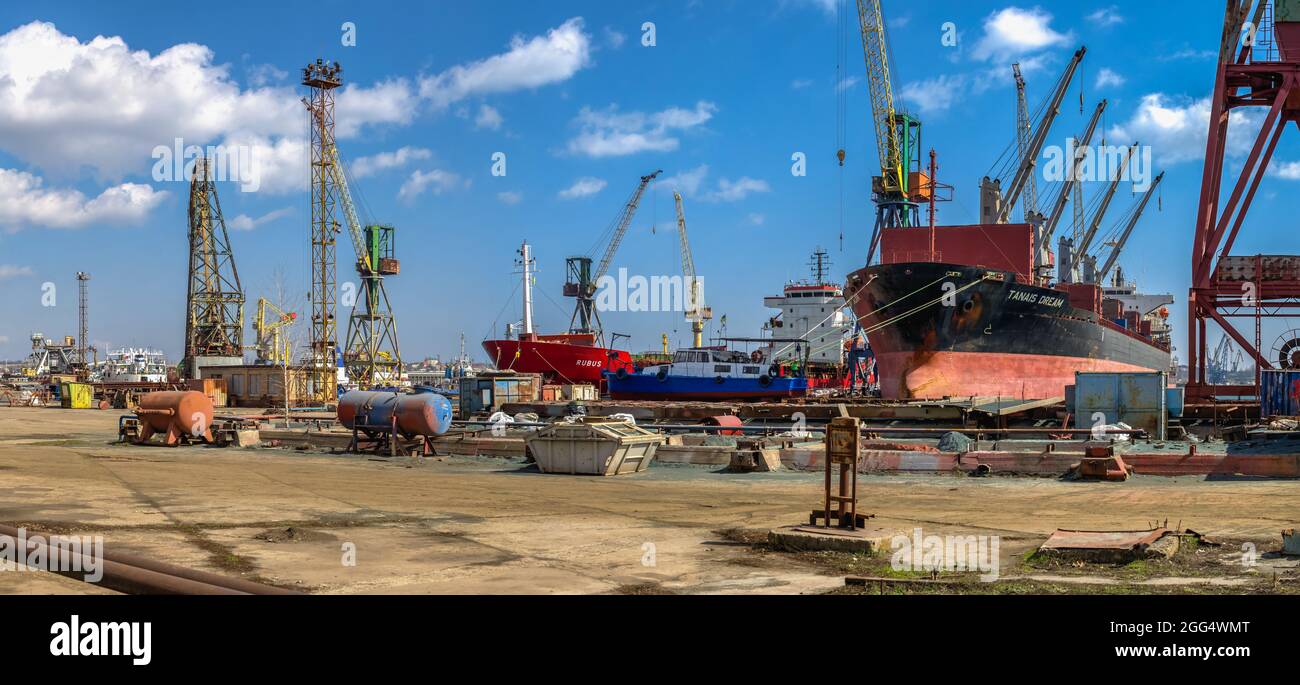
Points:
[(485, 525)]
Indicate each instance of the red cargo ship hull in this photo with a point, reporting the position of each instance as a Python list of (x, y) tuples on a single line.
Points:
[(559, 358)]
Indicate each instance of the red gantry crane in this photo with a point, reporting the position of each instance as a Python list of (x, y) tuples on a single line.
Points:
[(1258, 66)]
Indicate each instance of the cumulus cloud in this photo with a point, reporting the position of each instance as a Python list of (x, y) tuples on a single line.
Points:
[(510, 197), (243, 222), (12, 271), (1176, 126), (436, 181), (24, 201), (488, 117), (373, 164), (583, 187), (529, 63), (1013, 31), (692, 183), (1106, 16), (612, 133), (613, 38), (1108, 77), (934, 94)]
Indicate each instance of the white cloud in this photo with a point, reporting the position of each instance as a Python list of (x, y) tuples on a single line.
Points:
[(1286, 170), (25, 201), (614, 38), (373, 164), (691, 183), (934, 94), (265, 74), (800, 83), (611, 133), (583, 187), (827, 6), (686, 182), (756, 219), (731, 191), (11, 271), (387, 102), (1176, 126), (529, 63), (1188, 54), (1106, 16), (1108, 77), (846, 83), (510, 197), (434, 180), (1012, 31), (243, 222), (488, 117)]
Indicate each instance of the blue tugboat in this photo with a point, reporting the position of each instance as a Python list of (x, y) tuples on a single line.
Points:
[(707, 374)]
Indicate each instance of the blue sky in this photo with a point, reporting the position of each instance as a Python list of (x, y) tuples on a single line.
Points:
[(578, 104)]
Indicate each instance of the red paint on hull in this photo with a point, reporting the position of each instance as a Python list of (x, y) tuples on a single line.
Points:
[(560, 361), (984, 374)]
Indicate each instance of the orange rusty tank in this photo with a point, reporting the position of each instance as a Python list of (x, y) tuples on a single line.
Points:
[(181, 416)]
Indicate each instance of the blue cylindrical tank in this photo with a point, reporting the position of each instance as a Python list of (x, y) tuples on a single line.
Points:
[(424, 414)]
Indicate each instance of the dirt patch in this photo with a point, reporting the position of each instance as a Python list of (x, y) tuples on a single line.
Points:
[(294, 534), (643, 589)]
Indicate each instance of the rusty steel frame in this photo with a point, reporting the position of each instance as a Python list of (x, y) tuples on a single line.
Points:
[(1273, 82)]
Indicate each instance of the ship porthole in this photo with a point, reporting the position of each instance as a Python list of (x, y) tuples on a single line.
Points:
[(718, 379), (968, 305), (662, 375)]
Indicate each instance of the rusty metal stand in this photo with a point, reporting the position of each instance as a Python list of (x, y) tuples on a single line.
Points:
[(842, 443)]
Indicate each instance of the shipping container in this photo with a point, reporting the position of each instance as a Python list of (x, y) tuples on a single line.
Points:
[(1139, 399), (488, 392), (76, 395), (1279, 392)]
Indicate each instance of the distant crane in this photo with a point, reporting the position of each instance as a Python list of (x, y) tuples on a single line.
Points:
[(995, 205), (1128, 230), (83, 318), (1081, 250), (214, 302), (1024, 129), (581, 283), (371, 354), (271, 348), (696, 312), (1044, 236), (901, 185)]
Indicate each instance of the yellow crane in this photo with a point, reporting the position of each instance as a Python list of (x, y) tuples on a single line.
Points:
[(271, 349), (696, 312), (901, 185)]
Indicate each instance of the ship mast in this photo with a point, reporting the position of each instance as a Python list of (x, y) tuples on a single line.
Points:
[(526, 262)]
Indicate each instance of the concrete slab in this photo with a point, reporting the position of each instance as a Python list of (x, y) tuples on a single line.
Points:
[(815, 539)]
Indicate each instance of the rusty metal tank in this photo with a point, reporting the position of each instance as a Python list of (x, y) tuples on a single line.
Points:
[(422, 414), (179, 415)]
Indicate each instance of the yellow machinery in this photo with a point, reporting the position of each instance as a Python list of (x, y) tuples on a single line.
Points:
[(271, 349), (696, 312)]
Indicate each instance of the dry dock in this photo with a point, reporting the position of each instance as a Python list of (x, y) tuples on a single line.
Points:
[(493, 525)]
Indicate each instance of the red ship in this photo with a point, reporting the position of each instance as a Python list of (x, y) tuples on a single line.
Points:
[(562, 358), (574, 357)]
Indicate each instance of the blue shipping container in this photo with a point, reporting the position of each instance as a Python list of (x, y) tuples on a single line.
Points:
[(1279, 392)]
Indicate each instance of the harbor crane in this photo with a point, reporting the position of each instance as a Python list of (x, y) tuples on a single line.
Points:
[(1043, 237), (901, 185), (995, 205), (371, 355), (1024, 129), (696, 312), (1128, 230), (1078, 252), (271, 348), (581, 283)]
